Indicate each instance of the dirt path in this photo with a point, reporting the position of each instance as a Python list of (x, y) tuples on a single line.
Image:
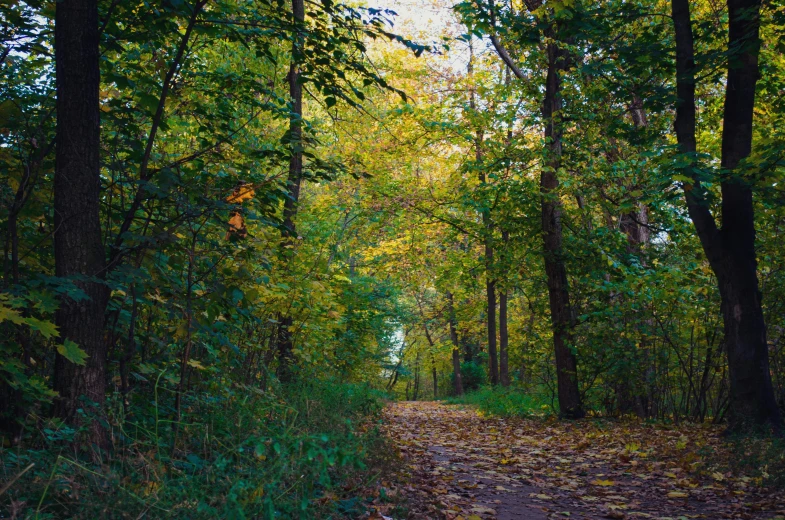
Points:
[(463, 465)]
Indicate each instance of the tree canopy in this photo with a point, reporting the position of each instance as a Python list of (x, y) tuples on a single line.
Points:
[(213, 211)]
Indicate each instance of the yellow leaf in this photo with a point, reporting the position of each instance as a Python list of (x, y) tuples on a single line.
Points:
[(603, 482), (678, 494), (241, 193)]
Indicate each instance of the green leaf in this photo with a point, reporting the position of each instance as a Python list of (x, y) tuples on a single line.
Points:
[(71, 351), (683, 178), (7, 313), (46, 328), (148, 101)]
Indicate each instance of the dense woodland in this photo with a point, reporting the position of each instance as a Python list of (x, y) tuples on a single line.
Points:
[(232, 228)]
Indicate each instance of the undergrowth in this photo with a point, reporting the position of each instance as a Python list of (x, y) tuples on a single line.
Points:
[(310, 451), (760, 456), (506, 402)]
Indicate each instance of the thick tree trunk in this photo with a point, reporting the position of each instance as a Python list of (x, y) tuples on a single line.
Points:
[(456, 347), (289, 231), (731, 250), (558, 290), (79, 251), (752, 394)]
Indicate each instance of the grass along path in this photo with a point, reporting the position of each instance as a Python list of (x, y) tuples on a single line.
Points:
[(460, 464)]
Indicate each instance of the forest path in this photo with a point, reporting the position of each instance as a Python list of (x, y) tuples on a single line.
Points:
[(461, 464)]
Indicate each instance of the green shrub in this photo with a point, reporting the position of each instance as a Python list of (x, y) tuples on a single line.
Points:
[(473, 376), (507, 402), (304, 453)]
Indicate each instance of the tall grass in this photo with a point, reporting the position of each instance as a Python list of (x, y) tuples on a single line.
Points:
[(307, 451)]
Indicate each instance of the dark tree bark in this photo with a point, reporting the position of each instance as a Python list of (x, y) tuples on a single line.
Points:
[(456, 346), (289, 232), (504, 337), (731, 249), (504, 371), (558, 290), (79, 251), (490, 291)]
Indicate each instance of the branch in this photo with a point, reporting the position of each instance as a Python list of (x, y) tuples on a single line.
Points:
[(504, 55), (144, 173), (500, 50)]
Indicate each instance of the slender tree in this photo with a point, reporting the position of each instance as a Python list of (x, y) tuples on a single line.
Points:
[(456, 346), (562, 318), (504, 335), (293, 182), (487, 225)]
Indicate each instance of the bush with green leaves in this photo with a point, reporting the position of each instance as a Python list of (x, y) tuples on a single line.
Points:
[(473, 375), (307, 451), (508, 402)]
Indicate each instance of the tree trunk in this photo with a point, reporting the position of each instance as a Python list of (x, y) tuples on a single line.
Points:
[(289, 231), (431, 345), (730, 250), (490, 282), (79, 251), (416, 390), (434, 376), (490, 290), (634, 224), (504, 372), (504, 337), (558, 290), (456, 347)]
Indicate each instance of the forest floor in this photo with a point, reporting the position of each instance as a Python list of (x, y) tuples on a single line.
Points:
[(459, 464)]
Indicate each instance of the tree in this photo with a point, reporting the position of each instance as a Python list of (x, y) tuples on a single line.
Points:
[(293, 181), (730, 249), (562, 313), (79, 252)]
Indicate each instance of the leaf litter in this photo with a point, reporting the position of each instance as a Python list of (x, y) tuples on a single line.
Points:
[(461, 465)]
